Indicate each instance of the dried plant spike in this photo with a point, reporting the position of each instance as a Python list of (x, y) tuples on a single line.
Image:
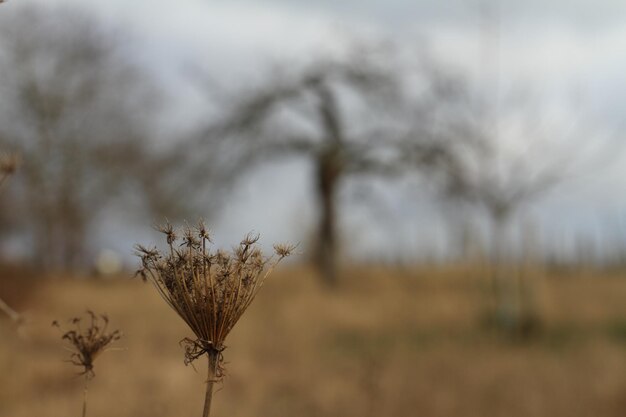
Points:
[(209, 290)]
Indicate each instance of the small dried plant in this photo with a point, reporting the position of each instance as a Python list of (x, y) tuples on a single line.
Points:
[(210, 290), (87, 342), (8, 166)]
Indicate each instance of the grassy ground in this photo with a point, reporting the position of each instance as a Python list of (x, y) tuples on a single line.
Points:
[(387, 343)]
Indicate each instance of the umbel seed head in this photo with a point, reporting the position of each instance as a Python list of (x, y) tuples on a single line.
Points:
[(88, 340), (209, 290)]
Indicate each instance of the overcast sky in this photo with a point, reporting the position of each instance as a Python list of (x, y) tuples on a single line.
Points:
[(572, 53)]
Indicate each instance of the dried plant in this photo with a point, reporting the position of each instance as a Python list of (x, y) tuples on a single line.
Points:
[(12, 314), (210, 290), (8, 166), (87, 343)]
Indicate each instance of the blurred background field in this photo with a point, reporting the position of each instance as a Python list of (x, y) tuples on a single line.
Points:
[(452, 174), (388, 342)]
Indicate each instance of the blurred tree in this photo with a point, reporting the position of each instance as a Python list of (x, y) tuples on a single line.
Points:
[(330, 112), (500, 160), (82, 117)]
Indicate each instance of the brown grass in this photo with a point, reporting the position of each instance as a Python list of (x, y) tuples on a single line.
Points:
[(388, 343)]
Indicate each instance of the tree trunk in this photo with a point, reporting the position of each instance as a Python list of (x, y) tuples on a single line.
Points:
[(330, 166), (514, 311), (328, 170), (502, 281)]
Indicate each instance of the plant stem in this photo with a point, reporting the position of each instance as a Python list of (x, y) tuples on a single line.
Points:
[(212, 370), (85, 398), (13, 315)]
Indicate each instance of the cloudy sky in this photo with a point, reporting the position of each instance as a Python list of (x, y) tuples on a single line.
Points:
[(570, 53)]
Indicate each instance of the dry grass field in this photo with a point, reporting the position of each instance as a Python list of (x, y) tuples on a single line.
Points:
[(387, 343)]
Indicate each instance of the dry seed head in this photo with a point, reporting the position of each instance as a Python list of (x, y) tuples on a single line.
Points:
[(87, 343), (203, 232), (209, 290), (190, 239), (283, 250), (168, 230)]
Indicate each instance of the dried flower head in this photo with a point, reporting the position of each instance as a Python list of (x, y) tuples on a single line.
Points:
[(210, 290), (283, 250), (88, 342)]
